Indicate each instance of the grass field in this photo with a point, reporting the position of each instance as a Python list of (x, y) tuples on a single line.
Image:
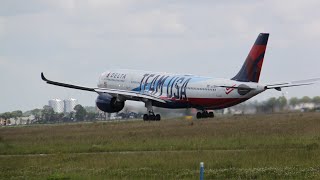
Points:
[(280, 146)]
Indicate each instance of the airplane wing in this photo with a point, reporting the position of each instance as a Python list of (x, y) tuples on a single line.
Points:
[(129, 94), (113, 92), (305, 82)]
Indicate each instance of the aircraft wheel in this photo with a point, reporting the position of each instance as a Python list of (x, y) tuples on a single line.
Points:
[(145, 117), (199, 115), (205, 114), (211, 115), (158, 117), (152, 117)]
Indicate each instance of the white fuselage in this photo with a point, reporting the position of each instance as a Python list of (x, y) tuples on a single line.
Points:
[(181, 91)]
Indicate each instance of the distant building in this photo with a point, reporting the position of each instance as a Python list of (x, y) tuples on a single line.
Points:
[(303, 107), (2, 122), (69, 105), (57, 105)]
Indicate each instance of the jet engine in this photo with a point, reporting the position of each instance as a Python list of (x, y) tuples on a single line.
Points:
[(108, 103)]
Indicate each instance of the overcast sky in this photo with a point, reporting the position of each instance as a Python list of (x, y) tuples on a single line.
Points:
[(76, 40)]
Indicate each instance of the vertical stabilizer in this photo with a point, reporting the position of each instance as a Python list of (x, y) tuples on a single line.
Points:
[(250, 71)]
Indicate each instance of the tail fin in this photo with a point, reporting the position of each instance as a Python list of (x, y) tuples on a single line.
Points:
[(250, 71)]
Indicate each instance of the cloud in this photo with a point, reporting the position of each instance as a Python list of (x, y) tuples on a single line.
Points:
[(2, 26), (3, 62), (74, 40)]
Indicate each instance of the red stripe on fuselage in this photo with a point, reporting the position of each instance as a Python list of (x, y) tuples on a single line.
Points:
[(210, 103), (216, 103)]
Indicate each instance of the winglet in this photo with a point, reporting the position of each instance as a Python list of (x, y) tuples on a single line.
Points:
[(64, 84), (43, 78)]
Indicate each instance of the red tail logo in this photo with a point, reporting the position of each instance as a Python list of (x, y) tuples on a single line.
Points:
[(251, 69)]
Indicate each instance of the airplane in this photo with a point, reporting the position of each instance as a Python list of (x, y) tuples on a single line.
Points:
[(173, 91)]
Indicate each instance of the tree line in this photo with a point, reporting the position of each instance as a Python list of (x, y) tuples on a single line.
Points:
[(47, 115), (13, 114), (279, 104)]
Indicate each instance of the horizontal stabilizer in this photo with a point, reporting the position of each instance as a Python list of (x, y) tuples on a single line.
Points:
[(305, 82)]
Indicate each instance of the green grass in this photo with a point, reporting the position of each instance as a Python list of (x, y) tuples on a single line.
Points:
[(280, 146)]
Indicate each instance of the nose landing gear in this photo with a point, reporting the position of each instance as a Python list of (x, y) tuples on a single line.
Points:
[(205, 114)]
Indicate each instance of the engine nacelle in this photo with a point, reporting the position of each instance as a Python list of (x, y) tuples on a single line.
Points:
[(109, 104)]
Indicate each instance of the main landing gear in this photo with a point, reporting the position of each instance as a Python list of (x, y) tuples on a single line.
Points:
[(150, 116), (205, 114)]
